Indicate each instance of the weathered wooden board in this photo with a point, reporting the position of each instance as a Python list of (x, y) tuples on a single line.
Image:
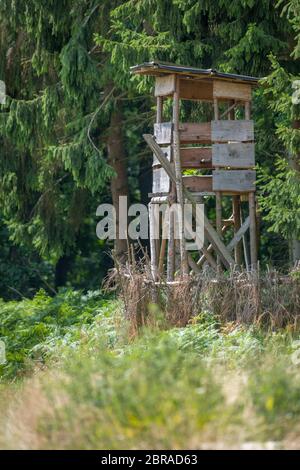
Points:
[(198, 184), (165, 86), (192, 132), (239, 235), (196, 90), (210, 232), (233, 155), (163, 132), (196, 157), (235, 181), (167, 152), (234, 131), (231, 91), (161, 181)]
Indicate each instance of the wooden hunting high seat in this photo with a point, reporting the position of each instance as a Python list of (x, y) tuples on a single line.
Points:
[(223, 147)]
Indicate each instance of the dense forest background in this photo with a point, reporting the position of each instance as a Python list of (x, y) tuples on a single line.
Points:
[(71, 128)]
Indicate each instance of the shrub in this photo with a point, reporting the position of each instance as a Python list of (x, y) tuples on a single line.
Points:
[(33, 330)]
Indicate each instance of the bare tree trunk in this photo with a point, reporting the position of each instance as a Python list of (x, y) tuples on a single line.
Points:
[(62, 269), (119, 184)]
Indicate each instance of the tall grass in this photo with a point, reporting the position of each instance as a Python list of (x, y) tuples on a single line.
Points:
[(265, 298), (202, 386), (200, 364)]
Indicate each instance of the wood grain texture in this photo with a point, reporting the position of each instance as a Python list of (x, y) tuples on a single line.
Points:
[(196, 157), (196, 90), (184, 268), (235, 181), (159, 109), (236, 207), (165, 86), (231, 91), (192, 132), (167, 151), (163, 132), (209, 230), (198, 183), (234, 131), (153, 247), (253, 233), (234, 155), (161, 181), (239, 235)]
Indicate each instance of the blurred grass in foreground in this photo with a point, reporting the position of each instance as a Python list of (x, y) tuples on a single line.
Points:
[(91, 386)]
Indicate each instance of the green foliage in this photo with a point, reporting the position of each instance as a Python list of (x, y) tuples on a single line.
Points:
[(49, 126), (236, 36), (201, 385), (281, 199), (275, 391), (66, 65), (291, 9), (252, 48), (34, 330), (146, 395), (166, 390), (22, 272), (280, 194)]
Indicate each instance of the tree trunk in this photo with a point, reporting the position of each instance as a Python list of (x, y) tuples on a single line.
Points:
[(145, 186), (119, 184), (62, 269)]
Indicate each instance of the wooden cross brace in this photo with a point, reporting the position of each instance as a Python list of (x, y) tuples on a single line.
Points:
[(210, 232)]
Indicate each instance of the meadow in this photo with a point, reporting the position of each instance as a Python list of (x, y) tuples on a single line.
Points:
[(80, 376)]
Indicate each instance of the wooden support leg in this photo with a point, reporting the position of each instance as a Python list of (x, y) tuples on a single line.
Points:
[(218, 194), (163, 246), (219, 220), (216, 109), (238, 253), (159, 109), (245, 244), (171, 249), (208, 257), (247, 111), (258, 226), (208, 252), (162, 253), (178, 175), (253, 232), (153, 240), (210, 232)]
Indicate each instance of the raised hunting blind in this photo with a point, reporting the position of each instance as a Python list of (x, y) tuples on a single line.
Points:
[(221, 154)]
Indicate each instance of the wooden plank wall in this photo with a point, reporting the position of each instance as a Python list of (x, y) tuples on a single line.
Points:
[(198, 184), (195, 133), (161, 181), (231, 91), (239, 181), (163, 132), (191, 157), (196, 157), (165, 86), (196, 90), (206, 132), (236, 131), (233, 155)]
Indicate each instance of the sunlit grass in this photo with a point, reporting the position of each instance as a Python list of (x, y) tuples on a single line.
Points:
[(90, 385)]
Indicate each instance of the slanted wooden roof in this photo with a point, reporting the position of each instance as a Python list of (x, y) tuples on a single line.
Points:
[(157, 68)]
